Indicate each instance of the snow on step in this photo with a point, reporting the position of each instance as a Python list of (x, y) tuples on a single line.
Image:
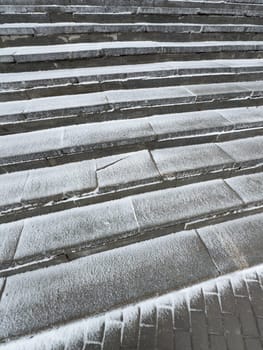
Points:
[(97, 283), (133, 326), (58, 142), (112, 174), (48, 78), (84, 227), (89, 50), (46, 107), (73, 27)]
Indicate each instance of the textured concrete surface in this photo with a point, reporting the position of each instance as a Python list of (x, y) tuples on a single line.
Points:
[(131, 175), (225, 313)]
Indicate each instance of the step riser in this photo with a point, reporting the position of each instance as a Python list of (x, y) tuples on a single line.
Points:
[(89, 87), (20, 122), (9, 41), (119, 18), (149, 225), (104, 61), (41, 206)]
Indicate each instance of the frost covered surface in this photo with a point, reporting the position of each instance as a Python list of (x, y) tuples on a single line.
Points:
[(131, 167), (183, 304)]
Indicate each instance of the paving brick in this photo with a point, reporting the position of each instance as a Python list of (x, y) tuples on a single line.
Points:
[(147, 338), (233, 333), (217, 342), (226, 295), (234, 244), (182, 340), (92, 346), (240, 287), (213, 314), (165, 333), (199, 331), (254, 344), (69, 285), (166, 207), (75, 344), (197, 301), (112, 335), (248, 187), (72, 228), (190, 160), (148, 314), (248, 323), (131, 319), (181, 315)]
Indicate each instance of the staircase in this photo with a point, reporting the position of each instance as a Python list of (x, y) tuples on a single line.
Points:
[(131, 175)]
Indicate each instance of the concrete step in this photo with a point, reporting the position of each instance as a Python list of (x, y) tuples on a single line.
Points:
[(49, 189), (55, 145), (211, 308), (37, 113), (29, 85), (87, 54), (70, 32), (107, 280)]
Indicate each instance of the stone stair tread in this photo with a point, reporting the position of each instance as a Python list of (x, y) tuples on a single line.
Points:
[(55, 142), (22, 79), (94, 226), (151, 261), (48, 107), (131, 166), (93, 178), (84, 50)]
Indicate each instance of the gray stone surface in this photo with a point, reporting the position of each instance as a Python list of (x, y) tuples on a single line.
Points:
[(75, 228), (244, 117), (249, 188), (175, 205), (235, 329), (172, 125), (45, 297), (88, 50), (9, 236), (190, 160), (235, 244), (126, 170), (45, 184), (12, 187), (242, 150)]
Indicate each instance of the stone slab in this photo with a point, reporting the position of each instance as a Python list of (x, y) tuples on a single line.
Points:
[(178, 162), (235, 244), (37, 299), (75, 228), (249, 187), (175, 205)]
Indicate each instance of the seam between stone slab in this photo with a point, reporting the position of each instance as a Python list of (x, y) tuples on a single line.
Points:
[(122, 104), (36, 160), (237, 194), (208, 251), (43, 338), (76, 199), (222, 273), (187, 223)]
